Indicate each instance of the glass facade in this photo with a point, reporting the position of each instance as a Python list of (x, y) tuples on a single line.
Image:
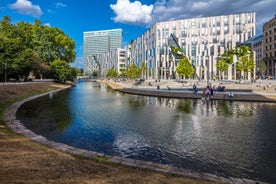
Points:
[(100, 42), (203, 39)]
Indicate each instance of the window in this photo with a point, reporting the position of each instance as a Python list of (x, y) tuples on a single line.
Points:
[(218, 21), (225, 20), (218, 30), (238, 19), (226, 29), (203, 22), (249, 18)]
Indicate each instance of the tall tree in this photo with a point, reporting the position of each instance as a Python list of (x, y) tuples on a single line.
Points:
[(184, 68)]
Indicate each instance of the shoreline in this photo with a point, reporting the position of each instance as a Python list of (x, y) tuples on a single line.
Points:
[(187, 93)]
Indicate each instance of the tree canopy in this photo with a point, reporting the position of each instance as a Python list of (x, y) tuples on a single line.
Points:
[(26, 48), (184, 68), (244, 62)]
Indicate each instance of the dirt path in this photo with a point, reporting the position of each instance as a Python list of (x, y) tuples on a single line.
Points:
[(25, 161)]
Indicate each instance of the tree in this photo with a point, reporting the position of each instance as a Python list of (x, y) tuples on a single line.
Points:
[(112, 73), (262, 67), (245, 59), (184, 68), (61, 71), (26, 48), (133, 71)]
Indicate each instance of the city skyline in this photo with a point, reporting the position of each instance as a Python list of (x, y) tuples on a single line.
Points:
[(134, 17)]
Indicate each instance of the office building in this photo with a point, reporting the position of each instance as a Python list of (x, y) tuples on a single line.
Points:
[(113, 59), (269, 47), (99, 42), (203, 41)]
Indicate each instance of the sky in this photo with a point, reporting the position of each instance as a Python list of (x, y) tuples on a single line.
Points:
[(134, 17)]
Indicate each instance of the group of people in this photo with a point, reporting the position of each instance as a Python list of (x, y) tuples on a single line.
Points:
[(208, 91)]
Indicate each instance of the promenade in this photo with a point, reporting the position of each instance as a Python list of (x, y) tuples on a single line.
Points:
[(259, 91)]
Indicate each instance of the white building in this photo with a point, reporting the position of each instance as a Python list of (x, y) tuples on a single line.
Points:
[(114, 59), (203, 41)]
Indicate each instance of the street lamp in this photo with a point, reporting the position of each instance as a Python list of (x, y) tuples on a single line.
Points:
[(5, 72)]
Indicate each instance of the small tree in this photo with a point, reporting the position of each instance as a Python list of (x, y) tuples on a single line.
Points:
[(112, 73), (184, 68), (262, 67), (133, 71)]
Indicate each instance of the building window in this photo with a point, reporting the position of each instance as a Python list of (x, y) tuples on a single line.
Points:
[(218, 21), (218, 30), (249, 18), (238, 19), (225, 20), (203, 22), (226, 29)]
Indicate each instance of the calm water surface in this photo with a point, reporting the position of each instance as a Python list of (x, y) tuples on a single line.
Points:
[(236, 139)]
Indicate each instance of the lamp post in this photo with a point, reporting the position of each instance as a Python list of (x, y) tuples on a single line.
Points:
[(5, 72)]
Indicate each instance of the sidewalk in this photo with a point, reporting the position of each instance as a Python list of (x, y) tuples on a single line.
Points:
[(246, 91)]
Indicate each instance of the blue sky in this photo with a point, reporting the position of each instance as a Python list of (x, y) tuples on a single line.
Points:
[(134, 17)]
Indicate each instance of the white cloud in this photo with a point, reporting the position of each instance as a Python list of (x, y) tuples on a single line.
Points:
[(60, 5), (26, 7), (47, 24), (132, 12)]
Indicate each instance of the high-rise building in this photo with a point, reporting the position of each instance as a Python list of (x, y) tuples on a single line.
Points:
[(203, 41), (99, 42), (269, 47)]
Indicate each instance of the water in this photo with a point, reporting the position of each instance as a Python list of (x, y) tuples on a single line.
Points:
[(236, 139)]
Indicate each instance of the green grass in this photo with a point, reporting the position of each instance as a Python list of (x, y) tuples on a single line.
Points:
[(4, 104)]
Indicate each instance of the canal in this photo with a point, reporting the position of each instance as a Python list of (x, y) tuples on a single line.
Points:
[(230, 139)]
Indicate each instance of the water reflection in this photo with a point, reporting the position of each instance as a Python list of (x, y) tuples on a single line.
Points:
[(226, 138), (47, 113)]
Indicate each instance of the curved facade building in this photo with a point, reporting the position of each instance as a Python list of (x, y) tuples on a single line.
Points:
[(203, 41)]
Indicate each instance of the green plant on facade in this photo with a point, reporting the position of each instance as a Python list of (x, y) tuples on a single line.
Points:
[(184, 67)]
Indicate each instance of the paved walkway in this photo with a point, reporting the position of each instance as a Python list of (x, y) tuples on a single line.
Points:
[(244, 91)]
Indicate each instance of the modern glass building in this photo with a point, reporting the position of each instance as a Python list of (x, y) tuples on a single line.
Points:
[(99, 42), (203, 41)]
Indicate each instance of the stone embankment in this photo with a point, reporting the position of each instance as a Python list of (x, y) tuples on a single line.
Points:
[(252, 92)]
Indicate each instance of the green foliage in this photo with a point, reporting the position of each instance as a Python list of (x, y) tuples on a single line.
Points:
[(123, 72), (133, 71), (222, 65), (245, 59), (176, 51), (262, 67), (184, 68), (62, 72), (26, 48), (112, 73), (95, 74)]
